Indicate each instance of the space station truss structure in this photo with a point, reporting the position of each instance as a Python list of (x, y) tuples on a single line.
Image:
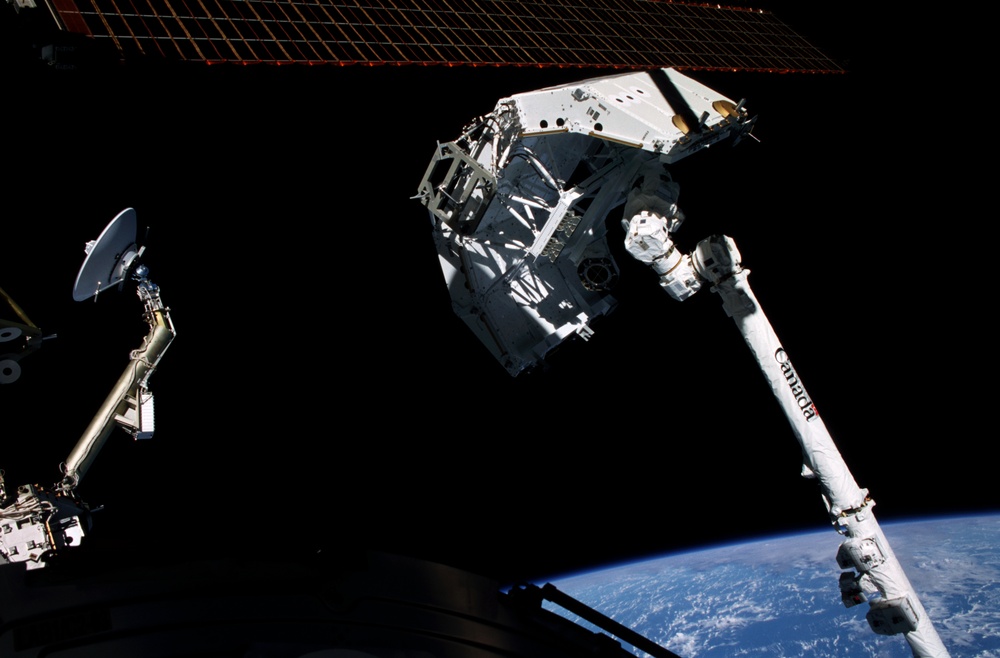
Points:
[(519, 200), (606, 34)]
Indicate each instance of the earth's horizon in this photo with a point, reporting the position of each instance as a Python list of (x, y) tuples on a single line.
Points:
[(779, 596)]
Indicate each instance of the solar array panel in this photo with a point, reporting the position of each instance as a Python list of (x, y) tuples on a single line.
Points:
[(617, 34)]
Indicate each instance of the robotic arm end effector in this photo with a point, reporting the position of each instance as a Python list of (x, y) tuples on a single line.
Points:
[(714, 260), (647, 239)]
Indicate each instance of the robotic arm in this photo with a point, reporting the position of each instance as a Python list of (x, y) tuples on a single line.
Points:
[(872, 572), (130, 403), (41, 521)]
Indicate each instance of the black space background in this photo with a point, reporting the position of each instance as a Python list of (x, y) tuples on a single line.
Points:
[(321, 396)]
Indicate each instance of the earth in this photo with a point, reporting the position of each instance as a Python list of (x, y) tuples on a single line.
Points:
[(779, 596)]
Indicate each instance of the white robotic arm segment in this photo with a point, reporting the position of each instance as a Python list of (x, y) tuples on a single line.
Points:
[(648, 240), (877, 577)]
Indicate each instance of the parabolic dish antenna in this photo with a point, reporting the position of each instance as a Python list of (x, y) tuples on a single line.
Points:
[(109, 257)]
